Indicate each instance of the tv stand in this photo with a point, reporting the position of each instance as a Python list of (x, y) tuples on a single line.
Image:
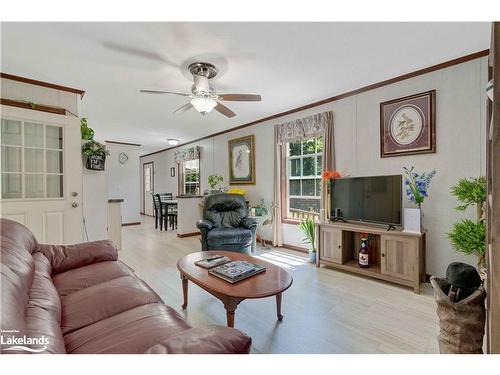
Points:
[(395, 256), (391, 227)]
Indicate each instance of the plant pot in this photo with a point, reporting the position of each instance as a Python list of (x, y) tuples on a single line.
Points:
[(461, 323), (96, 162), (312, 256), (259, 211)]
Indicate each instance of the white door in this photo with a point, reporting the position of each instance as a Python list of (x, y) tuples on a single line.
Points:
[(41, 173), (148, 178)]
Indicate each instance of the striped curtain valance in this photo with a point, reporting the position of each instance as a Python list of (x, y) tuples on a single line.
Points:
[(191, 153), (300, 129)]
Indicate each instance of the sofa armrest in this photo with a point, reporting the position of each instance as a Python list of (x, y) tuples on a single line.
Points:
[(67, 257), (204, 224), (205, 340), (248, 223)]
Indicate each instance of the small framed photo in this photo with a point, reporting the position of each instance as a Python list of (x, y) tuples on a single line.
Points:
[(242, 160), (172, 172), (407, 125)]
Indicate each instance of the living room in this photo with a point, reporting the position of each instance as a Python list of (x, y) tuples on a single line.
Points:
[(250, 187)]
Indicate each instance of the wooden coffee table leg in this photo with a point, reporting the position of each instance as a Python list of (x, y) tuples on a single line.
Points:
[(278, 307), (230, 318), (230, 305), (184, 290)]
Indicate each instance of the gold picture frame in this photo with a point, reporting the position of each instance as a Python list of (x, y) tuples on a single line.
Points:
[(241, 153)]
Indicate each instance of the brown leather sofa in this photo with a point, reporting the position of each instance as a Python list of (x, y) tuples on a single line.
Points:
[(81, 299)]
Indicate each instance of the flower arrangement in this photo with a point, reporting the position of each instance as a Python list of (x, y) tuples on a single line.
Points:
[(331, 175), (417, 185)]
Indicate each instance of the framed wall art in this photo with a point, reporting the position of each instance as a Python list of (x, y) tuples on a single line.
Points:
[(407, 125), (242, 160)]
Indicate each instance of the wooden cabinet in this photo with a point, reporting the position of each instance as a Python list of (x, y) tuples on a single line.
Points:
[(396, 256), (399, 257), (330, 244)]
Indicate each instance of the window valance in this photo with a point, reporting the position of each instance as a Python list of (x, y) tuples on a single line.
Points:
[(307, 127), (187, 154)]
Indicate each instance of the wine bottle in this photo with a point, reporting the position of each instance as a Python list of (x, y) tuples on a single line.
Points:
[(364, 254)]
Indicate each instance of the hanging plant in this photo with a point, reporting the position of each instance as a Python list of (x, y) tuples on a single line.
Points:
[(87, 133), (93, 147)]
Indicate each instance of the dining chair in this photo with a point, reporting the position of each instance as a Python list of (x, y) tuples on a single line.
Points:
[(159, 212), (170, 210)]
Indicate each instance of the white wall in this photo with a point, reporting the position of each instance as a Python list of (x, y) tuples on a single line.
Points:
[(460, 145), (123, 180), (95, 205)]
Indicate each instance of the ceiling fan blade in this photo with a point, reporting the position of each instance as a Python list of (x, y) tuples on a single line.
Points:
[(201, 83), (224, 110), (240, 97), (184, 108), (163, 92)]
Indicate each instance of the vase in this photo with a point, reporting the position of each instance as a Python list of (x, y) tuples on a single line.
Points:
[(412, 220), (312, 257)]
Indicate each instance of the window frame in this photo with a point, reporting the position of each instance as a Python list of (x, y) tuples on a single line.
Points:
[(44, 148), (286, 177), (182, 178)]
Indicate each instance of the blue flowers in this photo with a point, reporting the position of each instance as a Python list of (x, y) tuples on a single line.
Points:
[(417, 185)]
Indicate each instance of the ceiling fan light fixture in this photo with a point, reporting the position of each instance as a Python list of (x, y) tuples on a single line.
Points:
[(203, 105), (172, 141)]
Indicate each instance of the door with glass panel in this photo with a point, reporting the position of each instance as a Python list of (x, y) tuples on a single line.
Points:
[(148, 188), (41, 173)]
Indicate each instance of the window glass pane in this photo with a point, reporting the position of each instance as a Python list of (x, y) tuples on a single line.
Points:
[(294, 149), (11, 186), (319, 144), (319, 165), (54, 186), (295, 167), (294, 187), (11, 159), (11, 132), (33, 160), (33, 186), (54, 161), (33, 134), (318, 187), (54, 137), (303, 204), (308, 187), (309, 146), (308, 166)]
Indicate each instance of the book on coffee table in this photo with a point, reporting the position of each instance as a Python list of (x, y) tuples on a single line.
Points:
[(212, 261), (233, 272)]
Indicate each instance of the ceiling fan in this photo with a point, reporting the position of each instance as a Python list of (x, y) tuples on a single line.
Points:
[(203, 96)]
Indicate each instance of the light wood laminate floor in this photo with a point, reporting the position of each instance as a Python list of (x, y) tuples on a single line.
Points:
[(325, 311)]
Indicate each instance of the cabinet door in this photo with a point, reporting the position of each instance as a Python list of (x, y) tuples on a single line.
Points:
[(331, 244), (399, 257)]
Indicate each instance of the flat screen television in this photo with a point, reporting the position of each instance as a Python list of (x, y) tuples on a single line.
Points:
[(375, 199)]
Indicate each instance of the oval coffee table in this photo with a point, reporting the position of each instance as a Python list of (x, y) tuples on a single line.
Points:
[(273, 282)]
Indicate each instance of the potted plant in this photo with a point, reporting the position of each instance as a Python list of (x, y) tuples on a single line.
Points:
[(215, 182), (417, 186), (468, 236), (261, 209), (308, 228), (87, 133), (95, 154)]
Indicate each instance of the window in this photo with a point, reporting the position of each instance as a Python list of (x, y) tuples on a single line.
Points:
[(304, 168), (191, 177), (32, 160)]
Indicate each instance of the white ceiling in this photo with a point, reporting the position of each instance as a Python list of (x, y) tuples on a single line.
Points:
[(289, 64)]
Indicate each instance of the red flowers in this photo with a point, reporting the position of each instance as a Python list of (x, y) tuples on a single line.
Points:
[(331, 175)]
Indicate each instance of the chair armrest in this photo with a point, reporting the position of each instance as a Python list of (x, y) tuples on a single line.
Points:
[(204, 224), (66, 257), (205, 340), (248, 223)]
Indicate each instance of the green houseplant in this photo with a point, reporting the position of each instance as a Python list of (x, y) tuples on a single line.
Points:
[(87, 133), (308, 228), (261, 209), (469, 236), (95, 154), (215, 182)]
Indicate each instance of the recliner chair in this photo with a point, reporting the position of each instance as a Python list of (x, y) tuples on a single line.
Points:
[(226, 225)]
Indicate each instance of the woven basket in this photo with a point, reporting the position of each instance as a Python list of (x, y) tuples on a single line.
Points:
[(461, 323)]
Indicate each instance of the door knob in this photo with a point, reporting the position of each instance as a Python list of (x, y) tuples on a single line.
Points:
[(74, 205), (383, 255)]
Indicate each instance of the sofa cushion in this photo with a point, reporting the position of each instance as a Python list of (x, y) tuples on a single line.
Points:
[(104, 300), (225, 236), (84, 277), (132, 331)]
